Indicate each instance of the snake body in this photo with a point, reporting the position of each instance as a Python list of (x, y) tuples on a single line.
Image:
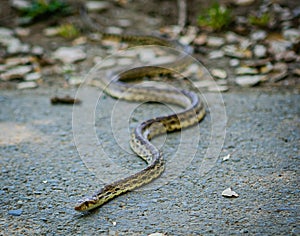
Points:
[(117, 87)]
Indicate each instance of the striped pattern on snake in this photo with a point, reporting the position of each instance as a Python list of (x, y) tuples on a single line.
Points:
[(116, 86)]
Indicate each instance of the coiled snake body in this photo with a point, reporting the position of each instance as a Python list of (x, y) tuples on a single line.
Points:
[(193, 112)]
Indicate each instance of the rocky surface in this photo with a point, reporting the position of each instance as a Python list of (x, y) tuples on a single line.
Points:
[(43, 175)]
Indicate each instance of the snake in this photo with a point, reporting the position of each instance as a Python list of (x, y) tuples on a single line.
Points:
[(117, 86)]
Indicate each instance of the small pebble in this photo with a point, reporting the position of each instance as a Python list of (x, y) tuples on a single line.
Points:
[(22, 32), (258, 35), (249, 80), (296, 71), (219, 73), (246, 71), (97, 6), (234, 51), (201, 39), (16, 212), (292, 35), (20, 4), (234, 62), (229, 193), (279, 46), (33, 76), (216, 54), (215, 41), (69, 54), (260, 51), (50, 32), (27, 85), (37, 50), (124, 23), (76, 80), (243, 2), (16, 73)]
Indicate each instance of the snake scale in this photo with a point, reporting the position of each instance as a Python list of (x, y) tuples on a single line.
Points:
[(116, 86)]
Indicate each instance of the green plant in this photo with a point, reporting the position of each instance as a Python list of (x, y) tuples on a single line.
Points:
[(68, 31), (41, 8), (261, 20), (216, 17)]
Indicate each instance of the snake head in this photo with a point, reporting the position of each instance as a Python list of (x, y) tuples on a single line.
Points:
[(86, 204)]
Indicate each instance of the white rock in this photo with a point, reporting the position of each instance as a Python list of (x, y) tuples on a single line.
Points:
[(215, 41), (192, 69), (157, 234), (76, 80), (225, 158), (234, 62), (260, 51), (249, 80), (69, 54), (25, 48), (22, 32), (243, 2), (37, 50), (216, 54), (258, 35), (201, 39), (51, 31), (245, 44), (189, 36), (79, 41), (234, 51), (229, 193), (14, 61), (296, 71), (232, 37), (219, 73), (186, 40), (292, 35), (20, 4), (5, 32), (97, 6), (279, 46), (124, 23), (16, 73), (246, 71), (33, 76), (14, 46), (286, 56), (27, 85)]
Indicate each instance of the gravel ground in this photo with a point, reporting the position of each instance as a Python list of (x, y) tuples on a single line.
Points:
[(42, 174)]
